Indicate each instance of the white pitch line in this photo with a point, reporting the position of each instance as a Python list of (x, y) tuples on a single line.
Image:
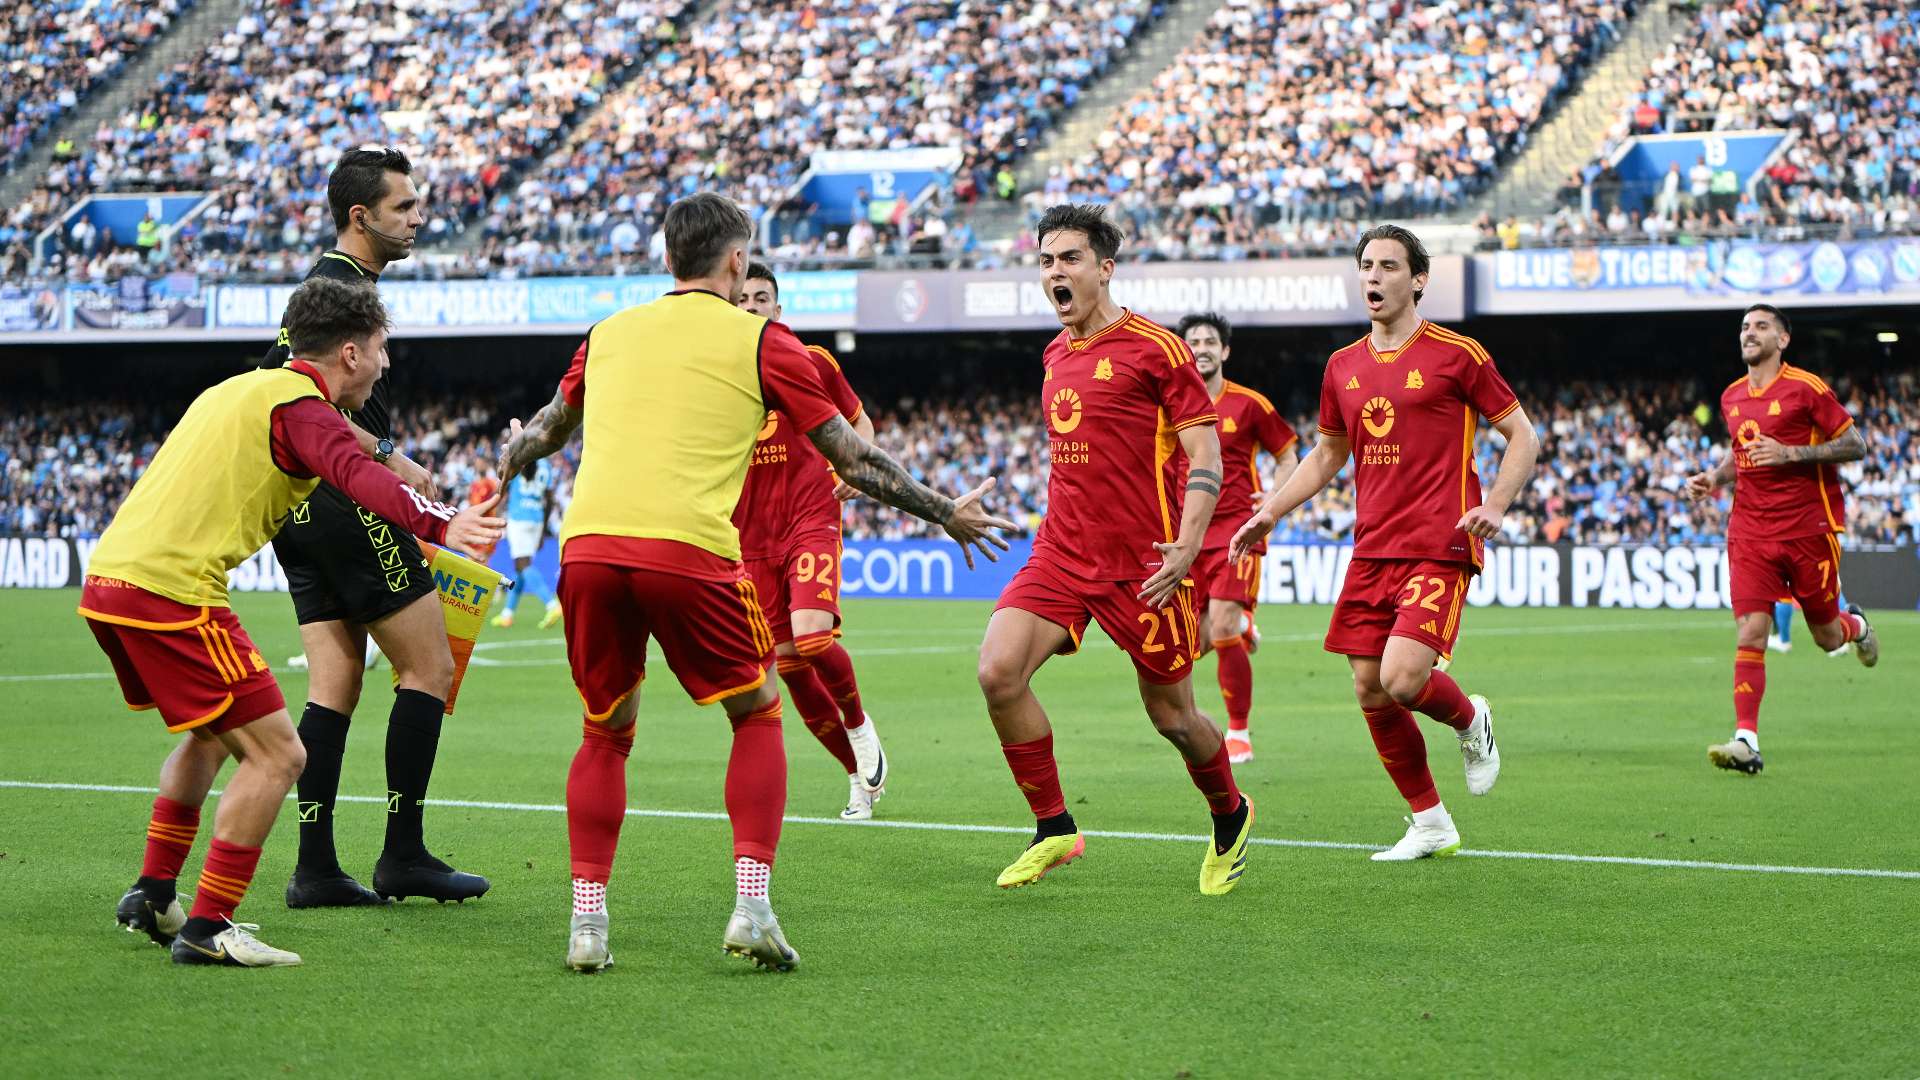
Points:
[(1009, 830)]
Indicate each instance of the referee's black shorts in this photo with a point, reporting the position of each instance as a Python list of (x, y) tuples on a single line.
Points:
[(346, 563)]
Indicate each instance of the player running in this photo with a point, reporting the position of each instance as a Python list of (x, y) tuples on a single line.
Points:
[(789, 524), (1789, 432), (529, 502), (1403, 402), (1226, 590), (673, 396), (353, 574), (1122, 397), (245, 454)]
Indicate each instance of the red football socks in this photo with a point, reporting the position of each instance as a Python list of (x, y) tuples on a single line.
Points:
[(1215, 781), (830, 659), (1404, 752), (1037, 774), (597, 800), (224, 880), (817, 709), (170, 835), (1236, 680), (757, 783), (1749, 686), (1443, 700)]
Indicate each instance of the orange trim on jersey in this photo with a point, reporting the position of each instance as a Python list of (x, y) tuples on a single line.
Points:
[(1807, 377), (1230, 387), (131, 707), (225, 641), (1504, 413), (220, 663), (601, 717), (1820, 482), (1466, 458), (1453, 610), (1472, 347), (1325, 430), (1761, 392), (1175, 349), (1081, 343), (1391, 355), (1163, 447), (1203, 418), (746, 688), (756, 618), (204, 720), (1839, 431), (822, 353), (142, 624)]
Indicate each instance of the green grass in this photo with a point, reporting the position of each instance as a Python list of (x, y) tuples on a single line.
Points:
[(1320, 964)]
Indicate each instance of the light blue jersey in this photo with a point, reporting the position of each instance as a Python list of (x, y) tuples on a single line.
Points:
[(527, 499)]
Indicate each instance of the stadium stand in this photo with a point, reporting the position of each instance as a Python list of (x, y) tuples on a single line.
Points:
[(1614, 460), (53, 53)]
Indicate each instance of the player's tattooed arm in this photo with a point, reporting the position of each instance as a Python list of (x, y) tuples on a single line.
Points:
[(870, 469), (542, 436), (1850, 446)]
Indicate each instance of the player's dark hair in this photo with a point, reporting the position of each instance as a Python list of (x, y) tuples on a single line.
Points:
[(1786, 327), (760, 271), (1208, 318), (326, 313), (360, 179), (1417, 260), (700, 229), (1091, 221)]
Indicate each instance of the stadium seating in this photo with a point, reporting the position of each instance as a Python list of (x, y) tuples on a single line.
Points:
[(55, 52), (1298, 111)]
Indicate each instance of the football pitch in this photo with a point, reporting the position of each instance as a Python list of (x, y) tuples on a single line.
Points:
[(1622, 909)]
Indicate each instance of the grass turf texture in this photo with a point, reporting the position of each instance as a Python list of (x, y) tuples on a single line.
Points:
[(1321, 963)]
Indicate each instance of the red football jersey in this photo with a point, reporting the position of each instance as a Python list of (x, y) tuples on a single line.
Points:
[(1411, 415), (1114, 404), (1782, 502), (1248, 424), (789, 485)]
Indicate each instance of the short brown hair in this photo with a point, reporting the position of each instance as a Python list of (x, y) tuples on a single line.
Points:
[(360, 179), (324, 314), (759, 271), (1417, 260), (1778, 316), (700, 228), (1102, 235)]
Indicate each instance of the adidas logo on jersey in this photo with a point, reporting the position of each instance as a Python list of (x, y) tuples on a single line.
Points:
[(1414, 381), (1353, 383), (1773, 408)]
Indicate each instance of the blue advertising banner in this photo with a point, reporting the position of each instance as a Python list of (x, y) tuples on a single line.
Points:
[(1672, 278)]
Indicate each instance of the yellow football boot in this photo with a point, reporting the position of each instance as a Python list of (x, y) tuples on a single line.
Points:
[(1220, 871), (1044, 855)]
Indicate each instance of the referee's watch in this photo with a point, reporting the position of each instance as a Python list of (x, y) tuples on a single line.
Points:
[(383, 450)]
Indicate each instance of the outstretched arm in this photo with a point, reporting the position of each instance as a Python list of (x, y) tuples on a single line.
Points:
[(1322, 464), (869, 468), (542, 436)]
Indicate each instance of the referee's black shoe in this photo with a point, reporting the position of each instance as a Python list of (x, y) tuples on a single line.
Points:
[(398, 877), (329, 888)]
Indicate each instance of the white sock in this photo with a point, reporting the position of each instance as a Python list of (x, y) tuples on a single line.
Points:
[(1751, 738), (752, 876), (589, 897), (1245, 735), (1433, 817)]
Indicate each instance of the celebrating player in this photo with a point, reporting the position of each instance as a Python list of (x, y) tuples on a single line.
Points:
[(673, 395), (1122, 396), (1789, 432), (529, 502), (353, 574), (1404, 401), (1226, 590), (789, 524), (244, 455)]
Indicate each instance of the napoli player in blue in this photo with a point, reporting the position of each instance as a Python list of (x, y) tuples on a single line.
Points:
[(529, 504)]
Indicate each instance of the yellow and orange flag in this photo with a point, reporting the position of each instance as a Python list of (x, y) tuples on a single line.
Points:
[(467, 591)]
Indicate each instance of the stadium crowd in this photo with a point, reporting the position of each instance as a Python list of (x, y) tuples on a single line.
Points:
[(53, 53), (1613, 464)]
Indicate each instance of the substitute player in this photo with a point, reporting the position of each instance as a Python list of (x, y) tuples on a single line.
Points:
[(353, 574), (247, 451), (529, 502), (1403, 402), (673, 395), (1227, 590), (789, 524), (1122, 397), (1789, 434)]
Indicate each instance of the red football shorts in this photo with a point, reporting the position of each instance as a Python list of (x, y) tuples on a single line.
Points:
[(1216, 577), (1410, 598), (1161, 642), (195, 665), (807, 576), (1806, 568), (711, 632)]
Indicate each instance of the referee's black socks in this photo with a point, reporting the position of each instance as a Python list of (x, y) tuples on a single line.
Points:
[(413, 736), (324, 733)]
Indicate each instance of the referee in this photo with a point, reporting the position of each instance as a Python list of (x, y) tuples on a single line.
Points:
[(353, 573)]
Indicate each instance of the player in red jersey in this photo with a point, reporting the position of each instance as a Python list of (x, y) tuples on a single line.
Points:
[(1122, 397), (1227, 589), (1789, 432), (483, 488), (1404, 402), (789, 524)]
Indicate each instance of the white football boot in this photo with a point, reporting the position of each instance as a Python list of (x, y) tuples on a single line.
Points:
[(1422, 842), (1478, 750)]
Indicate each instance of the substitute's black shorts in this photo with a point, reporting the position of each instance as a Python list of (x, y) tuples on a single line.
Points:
[(347, 563)]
